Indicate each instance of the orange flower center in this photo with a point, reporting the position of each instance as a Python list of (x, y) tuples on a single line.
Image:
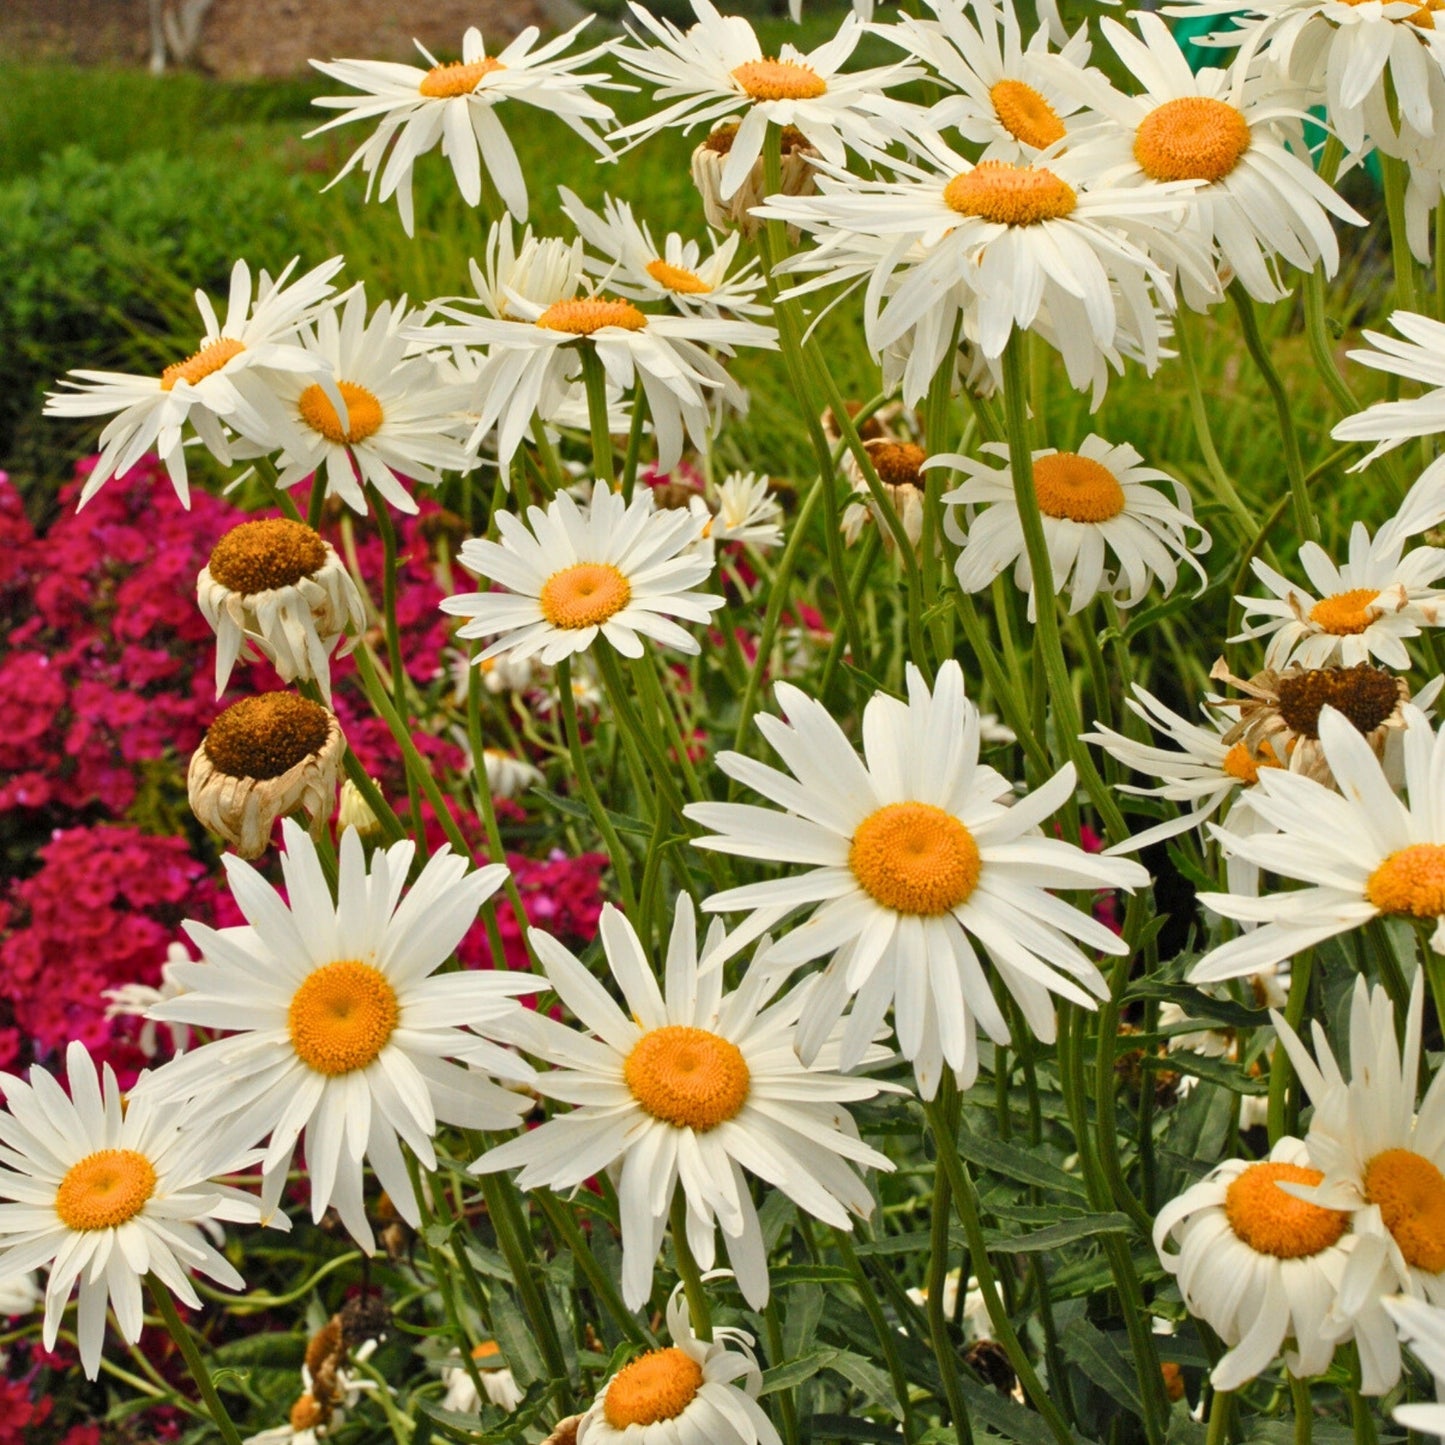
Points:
[(487, 1350), (1410, 1191), (1010, 195), (654, 1387), (687, 1077), (264, 555), (442, 82), (1076, 489), (363, 411), (1240, 763), (677, 278), (591, 314), (915, 858), (1025, 114), (1193, 138), (1411, 881), (1346, 614), (584, 595), (341, 1017), (306, 1413), (898, 464), (779, 80), (266, 735), (105, 1189), (1270, 1221), (202, 363), (1422, 17)]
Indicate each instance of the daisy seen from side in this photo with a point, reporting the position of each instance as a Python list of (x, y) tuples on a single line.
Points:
[(1418, 355), (1423, 1329)]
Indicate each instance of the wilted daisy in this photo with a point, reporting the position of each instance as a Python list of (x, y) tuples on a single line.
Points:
[(718, 68), (632, 264), (1225, 129), (280, 586), (342, 1026), (151, 412), (692, 1392), (1362, 852), (1419, 357), (262, 758), (622, 569), (1258, 1265), (1095, 501), (735, 210), (918, 852), (1423, 1329), (690, 1087), (104, 1193), (1381, 1163), (455, 104)]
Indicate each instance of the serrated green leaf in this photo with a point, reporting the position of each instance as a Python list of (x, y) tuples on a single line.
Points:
[(1016, 1161), (623, 822), (792, 1374), (1103, 1362), (514, 1335), (1070, 1231)]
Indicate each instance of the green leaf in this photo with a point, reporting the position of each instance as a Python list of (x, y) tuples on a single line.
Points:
[(1014, 1161), (519, 1349), (1070, 1231), (623, 822), (792, 1374), (1102, 1361), (1217, 1071), (1202, 1009), (1005, 1416)]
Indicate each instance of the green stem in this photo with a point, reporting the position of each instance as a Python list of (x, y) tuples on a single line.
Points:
[(1284, 1110), (1299, 1393), (691, 1275), (887, 1341), (1221, 1407), (594, 378), (938, 1331), (185, 1342), (1396, 175), (634, 443), (787, 1407), (560, 1218)]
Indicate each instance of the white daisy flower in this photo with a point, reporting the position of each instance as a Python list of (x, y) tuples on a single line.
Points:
[(509, 776), (1362, 852), (1005, 100), (692, 1392), (691, 1087), (1381, 1162), (151, 412), (541, 269), (342, 1025), (1095, 501), (497, 1380), (744, 509), (456, 105), (718, 68), (622, 569), (1423, 1329), (134, 1000), (1419, 357), (1225, 129), (103, 1195), (400, 418), (1007, 243), (1257, 1264), (917, 853), (632, 264)]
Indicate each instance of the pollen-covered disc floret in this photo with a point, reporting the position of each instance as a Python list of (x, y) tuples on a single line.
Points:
[(1257, 1263), (105, 1192), (917, 863), (343, 1030), (685, 1088), (1097, 501), (621, 571)]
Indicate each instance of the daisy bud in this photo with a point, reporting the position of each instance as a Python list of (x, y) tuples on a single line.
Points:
[(733, 213), (355, 812), (276, 584), (262, 758)]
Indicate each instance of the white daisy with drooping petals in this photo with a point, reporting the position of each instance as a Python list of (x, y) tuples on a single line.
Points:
[(1362, 852), (1096, 501), (623, 570), (1258, 1264), (917, 852), (1423, 1329), (152, 411), (104, 1192), (692, 1088), (1419, 357), (1382, 1163), (718, 69), (456, 105), (692, 1392), (341, 1025), (746, 510)]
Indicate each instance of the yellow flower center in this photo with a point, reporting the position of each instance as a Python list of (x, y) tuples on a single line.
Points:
[(687, 1077), (1193, 138), (487, 1350), (442, 82), (590, 314), (1366, 694), (1421, 17), (898, 464), (1411, 881), (266, 735), (341, 1016), (1010, 195), (262, 556), (105, 1189), (306, 1413), (584, 595), (1240, 763), (1410, 1191), (915, 858), (779, 80), (677, 278), (1076, 489), (1346, 614), (1270, 1221), (720, 141), (654, 1387), (363, 411), (1025, 114), (202, 363)]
